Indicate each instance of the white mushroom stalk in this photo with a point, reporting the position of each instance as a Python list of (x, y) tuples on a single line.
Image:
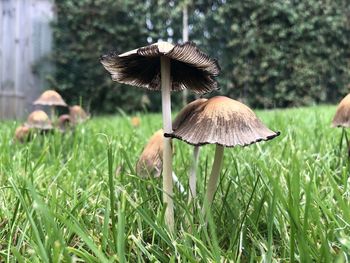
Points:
[(214, 175), (193, 175), (167, 152)]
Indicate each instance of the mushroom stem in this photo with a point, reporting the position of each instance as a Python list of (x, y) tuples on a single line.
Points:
[(53, 113), (214, 175), (167, 152), (192, 180)]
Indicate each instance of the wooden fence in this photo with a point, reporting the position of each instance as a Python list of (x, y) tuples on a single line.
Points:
[(25, 43)]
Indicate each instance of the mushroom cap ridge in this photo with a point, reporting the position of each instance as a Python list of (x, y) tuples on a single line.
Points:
[(50, 98), (342, 115), (223, 121), (190, 67)]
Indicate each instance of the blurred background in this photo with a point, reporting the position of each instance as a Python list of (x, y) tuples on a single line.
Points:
[(272, 53)]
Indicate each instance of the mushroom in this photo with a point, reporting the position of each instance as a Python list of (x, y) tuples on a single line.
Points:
[(150, 162), (50, 98), (77, 114), (135, 121), (64, 122), (179, 118), (38, 119), (166, 67), (224, 122), (342, 119), (22, 134)]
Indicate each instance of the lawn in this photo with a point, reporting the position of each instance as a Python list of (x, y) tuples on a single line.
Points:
[(279, 201)]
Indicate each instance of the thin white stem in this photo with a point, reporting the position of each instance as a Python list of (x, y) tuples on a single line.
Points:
[(214, 176), (53, 114), (193, 179), (178, 183), (167, 151)]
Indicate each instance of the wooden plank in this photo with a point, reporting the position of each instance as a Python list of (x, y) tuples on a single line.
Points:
[(8, 41), (25, 38)]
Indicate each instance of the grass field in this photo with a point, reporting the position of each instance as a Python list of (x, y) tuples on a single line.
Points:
[(286, 200)]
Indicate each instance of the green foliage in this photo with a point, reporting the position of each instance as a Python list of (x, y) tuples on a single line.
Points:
[(283, 53), (273, 53), (75, 197), (85, 30)]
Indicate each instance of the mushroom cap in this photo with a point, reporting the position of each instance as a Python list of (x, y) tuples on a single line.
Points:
[(219, 120), (342, 115), (50, 98), (190, 68), (63, 122), (135, 121), (22, 133), (150, 162), (38, 119), (77, 114)]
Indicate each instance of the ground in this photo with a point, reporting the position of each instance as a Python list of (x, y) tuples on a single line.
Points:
[(279, 201)]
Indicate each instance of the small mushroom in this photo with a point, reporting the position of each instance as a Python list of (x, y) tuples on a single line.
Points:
[(150, 162), (77, 114), (22, 134), (342, 115), (342, 120), (166, 67), (38, 119), (224, 122), (50, 98), (135, 121), (64, 122)]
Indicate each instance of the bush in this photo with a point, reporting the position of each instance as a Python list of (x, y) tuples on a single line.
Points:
[(273, 53)]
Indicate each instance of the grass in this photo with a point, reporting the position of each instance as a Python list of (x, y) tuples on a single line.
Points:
[(287, 200)]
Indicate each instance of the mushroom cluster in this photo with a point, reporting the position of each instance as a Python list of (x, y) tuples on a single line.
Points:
[(219, 120), (39, 121)]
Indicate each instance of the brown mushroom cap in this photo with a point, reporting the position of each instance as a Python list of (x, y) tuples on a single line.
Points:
[(50, 98), (77, 114), (220, 120), (151, 159), (342, 116), (190, 67), (38, 119), (22, 133), (186, 111)]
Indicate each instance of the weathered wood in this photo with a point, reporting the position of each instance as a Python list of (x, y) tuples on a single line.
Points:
[(25, 42)]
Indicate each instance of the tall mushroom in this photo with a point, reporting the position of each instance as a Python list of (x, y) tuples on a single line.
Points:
[(342, 119), (50, 98), (224, 122), (166, 67), (150, 162), (38, 119)]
